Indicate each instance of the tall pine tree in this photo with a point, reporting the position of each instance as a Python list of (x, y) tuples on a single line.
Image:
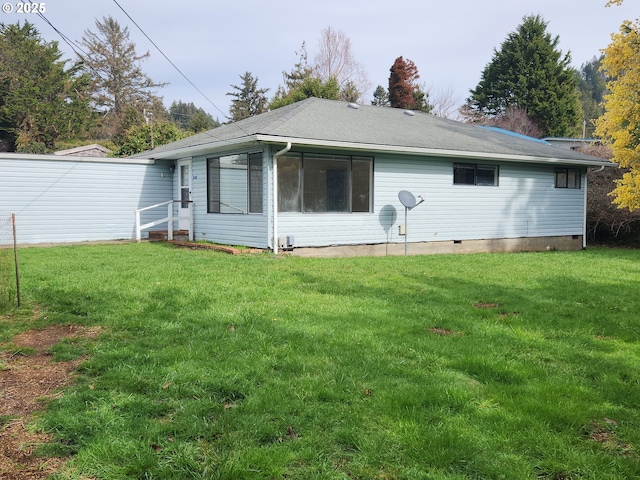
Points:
[(121, 90), (592, 86), (302, 82), (404, 91), (531, 73), (248, 99), (402, 83)]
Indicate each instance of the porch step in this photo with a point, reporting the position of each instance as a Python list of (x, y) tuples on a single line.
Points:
[(163, 235)]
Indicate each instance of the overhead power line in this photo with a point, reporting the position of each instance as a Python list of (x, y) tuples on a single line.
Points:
[(77, 49), (169, 60)]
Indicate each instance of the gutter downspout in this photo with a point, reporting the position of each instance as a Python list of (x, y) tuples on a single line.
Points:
[(275, 195), (584, 236)]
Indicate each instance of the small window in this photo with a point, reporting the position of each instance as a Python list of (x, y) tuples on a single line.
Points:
[(235, 183), (568, 178), (472, 174)]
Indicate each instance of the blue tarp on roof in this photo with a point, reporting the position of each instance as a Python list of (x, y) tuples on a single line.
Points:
[(514, 134)]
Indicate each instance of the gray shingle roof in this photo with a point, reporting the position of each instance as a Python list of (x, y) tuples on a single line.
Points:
[(320, 121)]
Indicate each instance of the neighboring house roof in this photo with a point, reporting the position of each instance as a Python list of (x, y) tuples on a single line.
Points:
[(93, 150), (571, 143), (335, 124)]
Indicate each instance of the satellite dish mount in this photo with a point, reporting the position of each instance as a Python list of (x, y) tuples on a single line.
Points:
[(409, 202)]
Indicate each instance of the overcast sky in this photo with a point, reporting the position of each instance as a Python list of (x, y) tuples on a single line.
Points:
[(213, 42)]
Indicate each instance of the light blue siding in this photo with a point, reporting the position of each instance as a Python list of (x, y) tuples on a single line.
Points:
[(525, 204), (67, 201), (225, 228)]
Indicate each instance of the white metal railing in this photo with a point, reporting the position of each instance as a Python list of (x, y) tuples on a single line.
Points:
[(169, 219)]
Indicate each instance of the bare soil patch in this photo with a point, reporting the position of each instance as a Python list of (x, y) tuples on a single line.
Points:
[(604, 433), (445, 332), (485, 305), (211, 246), (28, 380)]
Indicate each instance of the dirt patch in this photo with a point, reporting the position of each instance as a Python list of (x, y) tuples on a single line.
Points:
[(603, 432), (28, 380), (486, 305), (445, 332), (218, 248)]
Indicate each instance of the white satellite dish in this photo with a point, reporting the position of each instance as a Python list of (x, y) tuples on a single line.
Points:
[(408, 200)]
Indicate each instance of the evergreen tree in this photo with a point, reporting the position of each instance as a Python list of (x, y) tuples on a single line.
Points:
[(529, 72), (190, 118), (202, 121), (119, 83), (402, 83), (41, 101), (350, 92), (309, 87), (249, 100), (181, 113), (592, 87), (302, 83), (404, 91), (138, 138), (421, 100), (380, 97), (301, 71)]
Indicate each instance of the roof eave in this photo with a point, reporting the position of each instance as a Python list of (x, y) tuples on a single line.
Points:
[(201, 149), (428, 152), (73, 158)]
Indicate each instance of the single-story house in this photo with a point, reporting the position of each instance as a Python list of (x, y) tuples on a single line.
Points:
[(317, 177)]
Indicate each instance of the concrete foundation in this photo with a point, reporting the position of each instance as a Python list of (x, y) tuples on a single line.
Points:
[(538, 244)]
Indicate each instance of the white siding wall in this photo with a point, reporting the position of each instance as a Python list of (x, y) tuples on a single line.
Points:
[(225, 228), (525, 204), (66, 201)]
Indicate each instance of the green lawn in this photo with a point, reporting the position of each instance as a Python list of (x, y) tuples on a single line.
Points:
[(211, 366)]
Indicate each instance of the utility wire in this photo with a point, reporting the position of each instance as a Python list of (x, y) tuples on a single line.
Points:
[(66, 39), (75, 47), (169, 60)]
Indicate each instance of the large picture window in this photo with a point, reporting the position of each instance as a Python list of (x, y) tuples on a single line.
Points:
[(235, 184), (324, 183), (472, 174), (568, 177)]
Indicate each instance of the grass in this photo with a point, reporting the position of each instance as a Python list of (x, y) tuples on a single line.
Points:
[(514, 366)]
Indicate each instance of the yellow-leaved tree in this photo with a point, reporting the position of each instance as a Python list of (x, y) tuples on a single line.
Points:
[(619, 127)]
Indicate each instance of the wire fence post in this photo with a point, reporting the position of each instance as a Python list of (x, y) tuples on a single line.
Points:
[(9, 268), (15, 257)]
